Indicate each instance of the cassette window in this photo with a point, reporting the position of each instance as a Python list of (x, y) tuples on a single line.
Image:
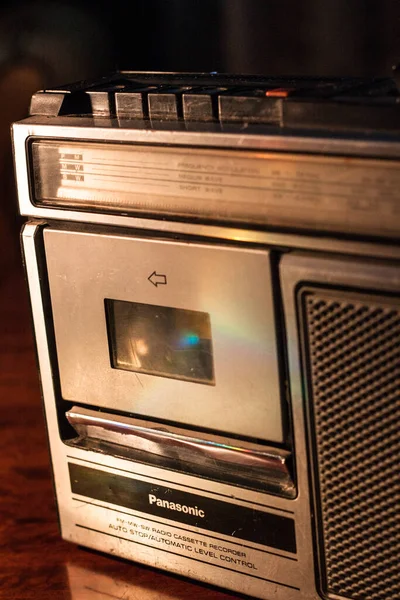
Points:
[(160, 340)]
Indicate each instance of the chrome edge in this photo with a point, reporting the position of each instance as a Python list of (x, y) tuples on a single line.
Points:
[(214, 453), (82, 128)]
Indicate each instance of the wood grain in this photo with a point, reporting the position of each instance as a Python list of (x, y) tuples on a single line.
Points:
[(34, 562)]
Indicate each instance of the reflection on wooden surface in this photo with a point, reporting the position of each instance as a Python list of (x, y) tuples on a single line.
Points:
[(35, 562)]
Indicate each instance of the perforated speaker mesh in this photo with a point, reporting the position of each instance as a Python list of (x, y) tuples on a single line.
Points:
[(353, 360)]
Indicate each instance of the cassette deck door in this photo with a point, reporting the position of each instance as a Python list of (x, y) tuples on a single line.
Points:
[(226, 290)]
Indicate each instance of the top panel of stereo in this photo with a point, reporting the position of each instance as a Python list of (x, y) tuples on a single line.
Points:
[(347, 104), (299, 155)]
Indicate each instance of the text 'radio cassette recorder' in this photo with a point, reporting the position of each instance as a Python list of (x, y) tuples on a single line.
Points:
[(213, 264)]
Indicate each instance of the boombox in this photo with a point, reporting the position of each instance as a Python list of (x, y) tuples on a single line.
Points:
[(213, 265)]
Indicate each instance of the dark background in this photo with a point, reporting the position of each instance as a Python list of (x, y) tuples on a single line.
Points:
[(318, 37)]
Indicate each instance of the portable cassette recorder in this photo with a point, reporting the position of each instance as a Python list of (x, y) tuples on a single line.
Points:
[(213, 265)]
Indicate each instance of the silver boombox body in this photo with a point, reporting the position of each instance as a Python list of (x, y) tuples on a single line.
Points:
[(215, 283)]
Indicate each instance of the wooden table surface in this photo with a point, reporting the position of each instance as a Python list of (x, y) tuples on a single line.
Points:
[(34, 562)]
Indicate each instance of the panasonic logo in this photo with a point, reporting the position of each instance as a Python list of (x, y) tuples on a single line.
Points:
[(190, 510)]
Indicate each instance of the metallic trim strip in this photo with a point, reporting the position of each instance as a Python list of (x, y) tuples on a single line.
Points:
[(268, 465), (206, 135), (264, 238), (29, 232)]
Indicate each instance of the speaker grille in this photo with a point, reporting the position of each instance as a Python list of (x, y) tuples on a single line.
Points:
[(353, 355)]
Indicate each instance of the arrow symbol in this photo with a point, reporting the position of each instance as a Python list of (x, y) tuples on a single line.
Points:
[(157, 279)]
